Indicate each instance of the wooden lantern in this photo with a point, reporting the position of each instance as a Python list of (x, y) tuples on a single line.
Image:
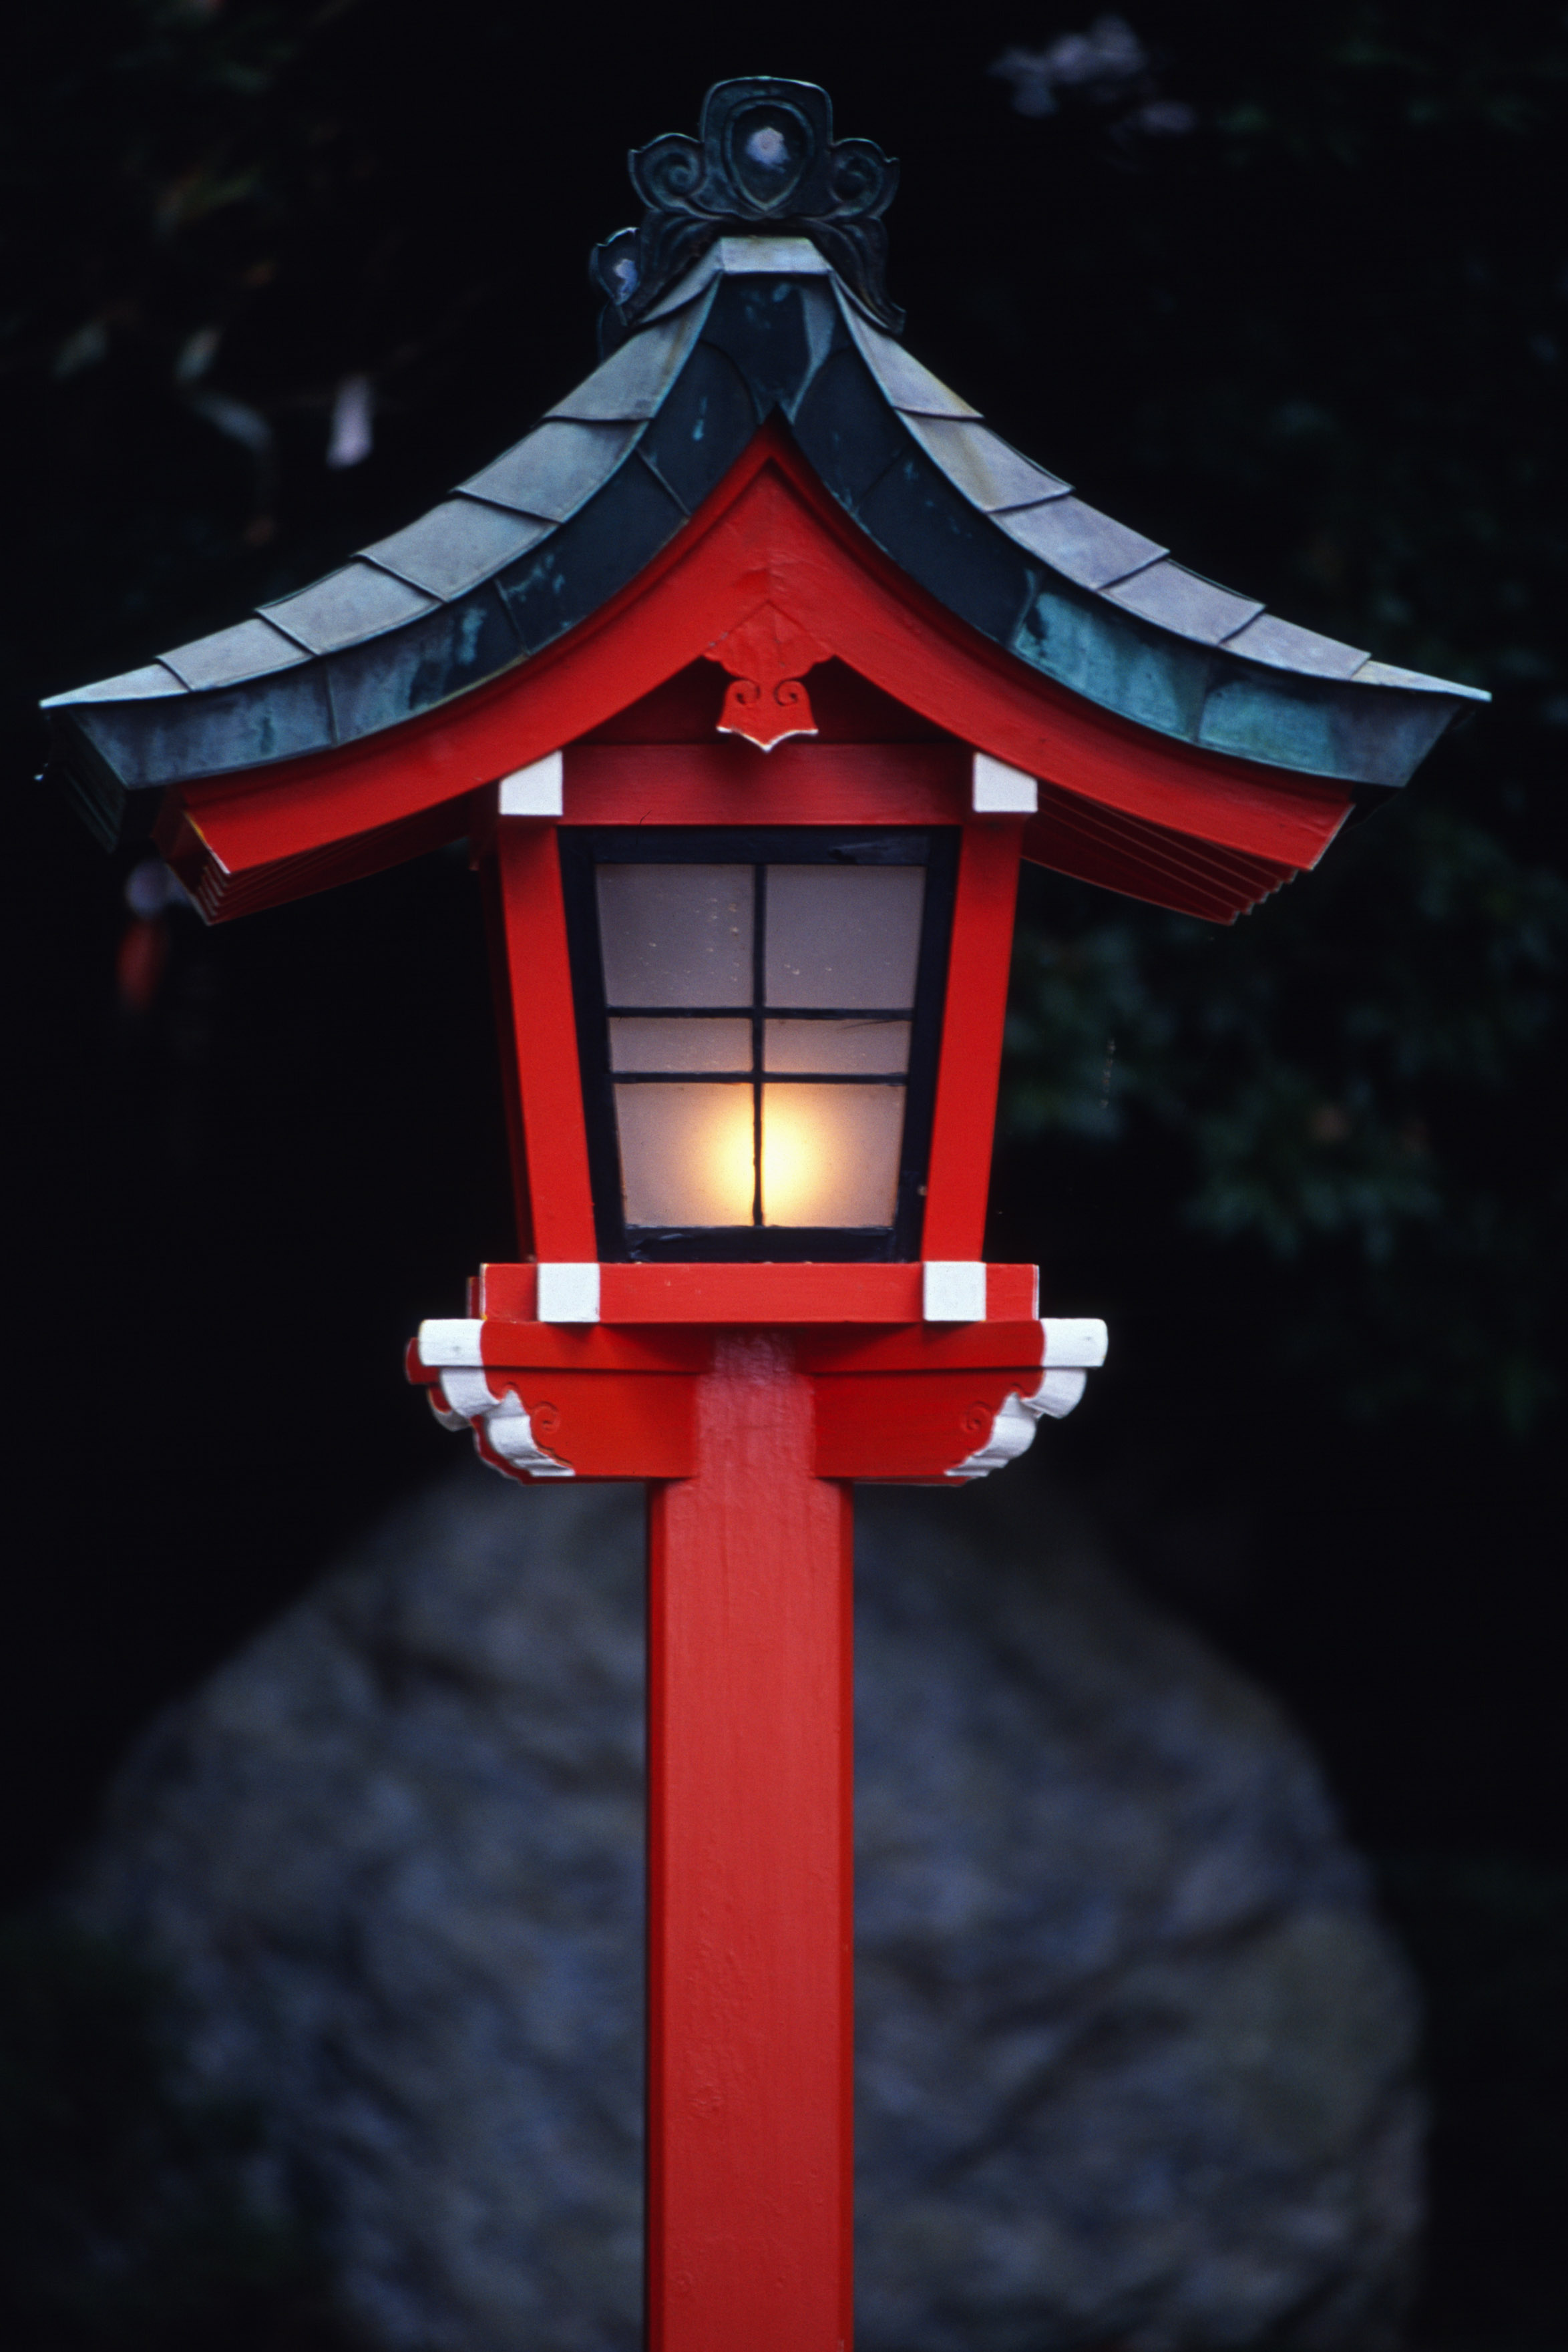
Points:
[(750, 674)]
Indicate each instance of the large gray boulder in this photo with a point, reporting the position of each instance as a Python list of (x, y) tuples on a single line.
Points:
[(1135, 2054)]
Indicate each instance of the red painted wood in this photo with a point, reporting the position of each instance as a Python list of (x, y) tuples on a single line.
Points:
[(550, 1170), (769, 533), (687, 707), (1011, 1293), (606, 1424), (1018, 1346), (758, 1294), (789, 1293), (222, 894), (1143, 861), (508, 1291), (522, 1346), (958, 1180), (595, 1347), (504, 1012), (750, 1854), (799, 783), (903, 1403), (909, 1425), (1067, 814)]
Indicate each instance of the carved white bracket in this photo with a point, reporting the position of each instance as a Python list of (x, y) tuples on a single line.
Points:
[(1075, 1345), (463, 1398)]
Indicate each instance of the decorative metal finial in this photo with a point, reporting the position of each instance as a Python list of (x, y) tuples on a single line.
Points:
[(765, 160)]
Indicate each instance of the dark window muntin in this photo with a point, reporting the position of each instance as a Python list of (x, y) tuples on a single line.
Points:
[(585, 848)]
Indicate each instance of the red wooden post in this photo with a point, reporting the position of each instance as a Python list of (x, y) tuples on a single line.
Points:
[(750, 2025)]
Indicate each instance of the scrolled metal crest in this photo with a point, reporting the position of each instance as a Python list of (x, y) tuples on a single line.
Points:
[(764, 160)]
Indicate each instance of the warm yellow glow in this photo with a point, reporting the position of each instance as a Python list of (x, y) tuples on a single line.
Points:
[(830, 1154), (686, 1154)]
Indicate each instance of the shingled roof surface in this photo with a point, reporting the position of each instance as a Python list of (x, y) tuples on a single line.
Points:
[(537, 541)]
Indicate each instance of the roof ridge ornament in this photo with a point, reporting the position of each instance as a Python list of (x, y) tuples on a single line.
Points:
[(764, 160)]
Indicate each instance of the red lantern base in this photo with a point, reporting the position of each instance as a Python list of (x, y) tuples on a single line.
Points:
[(748, 1398)]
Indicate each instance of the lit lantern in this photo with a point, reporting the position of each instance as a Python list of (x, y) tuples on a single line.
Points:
[(747, 1016), (751, 1007)]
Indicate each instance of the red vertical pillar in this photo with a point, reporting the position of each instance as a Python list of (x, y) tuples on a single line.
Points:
[(751, 2024)]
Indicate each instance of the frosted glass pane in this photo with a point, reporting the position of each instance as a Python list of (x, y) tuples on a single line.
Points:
[(683, 1045), (860, 1048), (686, 1154), (676, 934), (830, 1154), (842, 936)]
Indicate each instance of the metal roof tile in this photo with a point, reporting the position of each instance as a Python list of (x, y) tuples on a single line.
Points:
[(632, 384), (559, 466), (577, 567), (771, 257), (1178, 599), (910, 388), (141, 684), (770, 328), (913, 512), (745, 257), (347, 606), (1080, 541), (703, 427), (244, 726), (1282, 646), (392, 678), (250, 649), (1086, 643), (457, 544), (1376, 673), (845, 429), (991, 474)]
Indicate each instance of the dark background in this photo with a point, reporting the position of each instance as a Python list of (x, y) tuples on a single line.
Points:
[(1285, 287)]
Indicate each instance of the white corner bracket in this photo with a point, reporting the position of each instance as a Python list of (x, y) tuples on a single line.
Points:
[(1002, 791), (538, 790), (568, 1293), (463, 1398), (953, 1290), (1074, 1345)]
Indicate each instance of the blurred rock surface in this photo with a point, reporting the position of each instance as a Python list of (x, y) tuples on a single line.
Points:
[(1135, 2055)]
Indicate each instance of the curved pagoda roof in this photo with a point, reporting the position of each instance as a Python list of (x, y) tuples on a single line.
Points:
[(761, 325)]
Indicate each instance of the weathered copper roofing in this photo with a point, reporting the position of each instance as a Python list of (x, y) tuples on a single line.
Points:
[(539, 540)]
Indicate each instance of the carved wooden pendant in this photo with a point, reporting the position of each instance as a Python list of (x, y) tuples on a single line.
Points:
[(766, 656)]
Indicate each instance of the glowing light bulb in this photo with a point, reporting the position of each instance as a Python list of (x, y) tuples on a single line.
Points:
[(686, 1154), (830, 1154)]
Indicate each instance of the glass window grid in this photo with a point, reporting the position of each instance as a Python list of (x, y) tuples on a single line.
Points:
[(809, 846)]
